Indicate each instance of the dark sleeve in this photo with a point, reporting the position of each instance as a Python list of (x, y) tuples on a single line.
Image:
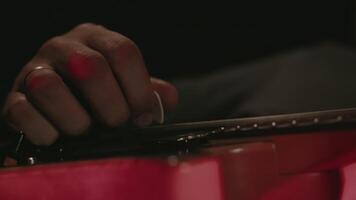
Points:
[(307, 79)]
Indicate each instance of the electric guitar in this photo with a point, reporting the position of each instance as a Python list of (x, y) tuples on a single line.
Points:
[(265, 157)]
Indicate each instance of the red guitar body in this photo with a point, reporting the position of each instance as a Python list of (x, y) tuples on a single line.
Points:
[(311, 166)]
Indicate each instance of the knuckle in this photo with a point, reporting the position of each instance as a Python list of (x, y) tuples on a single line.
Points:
[(87, 26), (127, 46), (123, 50), (84, 65), (42, 80), (119, 44), (54, 43), (16, 108), (96, 58), (87, 56)]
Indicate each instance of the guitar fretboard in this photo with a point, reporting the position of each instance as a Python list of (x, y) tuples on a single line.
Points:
[(170, 138), (244, 126)]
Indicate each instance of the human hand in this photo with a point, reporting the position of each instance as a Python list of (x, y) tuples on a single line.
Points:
[(107, 70)]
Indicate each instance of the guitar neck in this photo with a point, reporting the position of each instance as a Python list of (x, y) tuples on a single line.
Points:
[(164, 138), (263, 123)]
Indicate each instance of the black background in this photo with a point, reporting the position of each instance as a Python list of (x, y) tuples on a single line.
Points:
[(178, 38)]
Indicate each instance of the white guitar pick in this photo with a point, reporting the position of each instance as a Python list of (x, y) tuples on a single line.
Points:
[(158, 110)]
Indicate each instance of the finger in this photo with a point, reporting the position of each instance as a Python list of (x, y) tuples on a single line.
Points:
[(128, 66), (91, 74), (23, 116), (167, 92), (48, 92)]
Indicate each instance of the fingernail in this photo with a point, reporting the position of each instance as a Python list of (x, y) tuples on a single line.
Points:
[(158, 111), (144, 119)]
